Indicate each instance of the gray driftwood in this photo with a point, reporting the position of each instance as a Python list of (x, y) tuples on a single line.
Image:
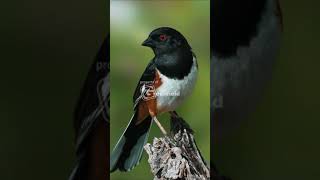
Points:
[(177, 156)]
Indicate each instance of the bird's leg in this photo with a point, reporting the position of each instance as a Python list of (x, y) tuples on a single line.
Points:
[(177, 123), (159, 125), (174, 114)]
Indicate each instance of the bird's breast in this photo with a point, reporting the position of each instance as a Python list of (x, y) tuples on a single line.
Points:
[(172, 92)]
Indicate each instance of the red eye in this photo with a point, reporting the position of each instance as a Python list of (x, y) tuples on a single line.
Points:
[(163, 37)]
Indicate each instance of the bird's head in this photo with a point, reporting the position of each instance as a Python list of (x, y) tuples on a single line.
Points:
[(165, 39)]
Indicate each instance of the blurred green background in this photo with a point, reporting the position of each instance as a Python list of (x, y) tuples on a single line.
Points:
[(130, 23), (280, 140)]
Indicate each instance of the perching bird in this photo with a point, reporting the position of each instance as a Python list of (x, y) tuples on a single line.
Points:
[(167, 80), (91, 121), (245, 41)]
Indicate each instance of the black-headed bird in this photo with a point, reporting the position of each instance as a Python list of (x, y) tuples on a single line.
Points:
[(166, 82), (245, 42), (245, 39)]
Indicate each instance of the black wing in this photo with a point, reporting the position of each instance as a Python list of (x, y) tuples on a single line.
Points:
[(93, 101), (92, 112), (147, 76)]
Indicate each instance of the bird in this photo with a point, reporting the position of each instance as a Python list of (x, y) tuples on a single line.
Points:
[(92, 120), (246, 37), (167, 80)]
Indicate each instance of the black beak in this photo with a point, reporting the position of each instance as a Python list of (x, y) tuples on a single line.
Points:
[(148, 43)]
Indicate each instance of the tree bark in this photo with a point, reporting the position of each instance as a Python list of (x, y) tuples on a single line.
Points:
[(177, 156)]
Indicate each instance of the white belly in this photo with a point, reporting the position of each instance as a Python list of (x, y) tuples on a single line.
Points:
[(173, 92)]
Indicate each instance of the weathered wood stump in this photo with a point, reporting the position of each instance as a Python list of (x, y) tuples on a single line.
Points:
[(177, 156)]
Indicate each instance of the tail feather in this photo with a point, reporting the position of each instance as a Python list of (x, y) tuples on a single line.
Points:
[(128, 151)]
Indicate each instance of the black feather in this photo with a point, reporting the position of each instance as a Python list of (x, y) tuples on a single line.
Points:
[(92, 107), (234, 23)]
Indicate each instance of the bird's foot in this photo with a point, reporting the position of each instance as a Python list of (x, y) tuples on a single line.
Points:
[(174, 115), (178, 123)]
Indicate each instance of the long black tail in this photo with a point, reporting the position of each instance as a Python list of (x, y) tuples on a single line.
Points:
[(128, 151)]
